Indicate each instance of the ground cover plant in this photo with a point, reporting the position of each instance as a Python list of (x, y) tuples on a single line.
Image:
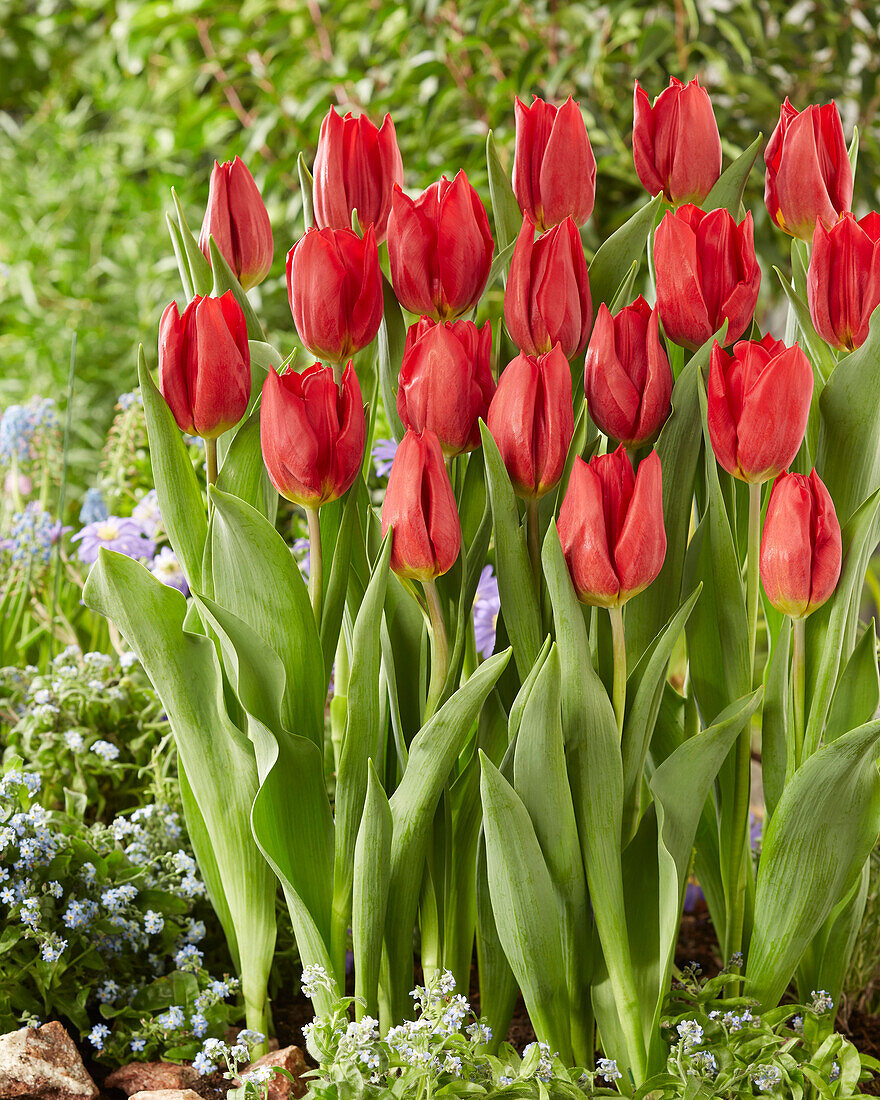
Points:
[(714, 488)]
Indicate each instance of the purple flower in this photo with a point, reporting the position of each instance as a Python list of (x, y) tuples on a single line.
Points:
[(125, 536), (166, 568), (487, 605), (147, 513), (302, 555), (693, 894), (383, 453)]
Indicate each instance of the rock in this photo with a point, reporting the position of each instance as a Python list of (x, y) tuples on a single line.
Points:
[(43, 1064), (139, 1077), (280, 1087), (166, 1094)]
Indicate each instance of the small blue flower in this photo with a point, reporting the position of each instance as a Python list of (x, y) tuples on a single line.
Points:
[(153, 922), (105, 750), (94, 508), (607, 1069), (137, 1044), (98, 1034)]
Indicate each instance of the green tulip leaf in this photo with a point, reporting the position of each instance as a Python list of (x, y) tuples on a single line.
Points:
[(225, 279), (616, 255), (854, 150), (730, 185), (820, 355), (243, 473), (508, 216), (391, 339), (624, 295), (340, 577), (180, 256), (371, 877), (307, 187), (777, 734), (200, 275), (857, 695)]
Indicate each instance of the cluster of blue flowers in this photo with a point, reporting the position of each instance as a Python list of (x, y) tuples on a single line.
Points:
[(24, 430), (31, 535)]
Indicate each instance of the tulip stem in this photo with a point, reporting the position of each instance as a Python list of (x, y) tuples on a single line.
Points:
[(337, 373), (211, 460), (533, 528), (753, 573), (316, 563), (439, 648), (799, 686), (618, 643)]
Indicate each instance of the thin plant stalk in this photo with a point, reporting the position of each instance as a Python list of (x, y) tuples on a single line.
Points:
[(618, 645), (533, 529), (316, 563), (799, 685), (211, 460), (439, 648), (753, 576)]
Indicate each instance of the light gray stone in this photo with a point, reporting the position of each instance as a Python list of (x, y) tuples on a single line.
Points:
[(43, 1064)]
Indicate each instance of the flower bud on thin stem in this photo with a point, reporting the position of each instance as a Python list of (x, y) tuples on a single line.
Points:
[(316, 565), (799, 686), (439, 648), (618, 644)]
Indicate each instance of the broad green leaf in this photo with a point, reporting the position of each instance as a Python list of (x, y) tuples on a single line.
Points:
[(616, 255), (644, 692), (525, 908), (243, 473), (730, 185), (500, 265), (679, 449), (813, 851), (777, 745), (508, 216), (306, 184), (363, 742), (827, 962), (372, 873), (432, 753), (225, 279), (820, 355), (180, 498), (624, 295), (498, 985), (338, 582), (217, 757), (256, 578), (516, 582), (857, 695), (541, 781), (392, 334), (201, 276), (848, 460)]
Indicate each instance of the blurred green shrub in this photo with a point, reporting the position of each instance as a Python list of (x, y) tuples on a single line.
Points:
[(104, 105)]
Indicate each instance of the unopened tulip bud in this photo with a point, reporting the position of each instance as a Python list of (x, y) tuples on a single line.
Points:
[(356, 166), (627, 377), (800, 545), (809, 175), (420, 508), (312, 433), (676, 144), (611, 527), (334, 284), (554, 170), (759, 402), (843, 279), (446, 381), (440, 249), (707, 273), (205, 364), (547, 299), (237, 219), (532, 421)]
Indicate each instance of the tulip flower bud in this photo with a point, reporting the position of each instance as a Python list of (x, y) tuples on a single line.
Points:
[(676, 144), (446, 381), (627, 378), (420, 508), (707, 272), (611, 527), (800, 545), (440, 249), (809, 175), (205, 364), (759, 402), (554, 170), (237, 219), (532, 421), (356, 166), (843, 280), (312, 433), (334, 285), (547, 299)]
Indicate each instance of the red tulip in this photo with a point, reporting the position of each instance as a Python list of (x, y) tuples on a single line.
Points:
[(809, 175), (759, 401), (554, 170), (627, 378), (843, 280), (800, 546), (334, 285), (420, 509), (532, 421), (707, 272), (440, 249), (237, 219), (205, 364), (446, 381), (356, 166), (312, 433), (676, 144), (611, 527), (547, 300)]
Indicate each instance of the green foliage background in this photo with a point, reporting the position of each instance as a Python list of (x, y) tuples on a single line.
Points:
[(104, 106)]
